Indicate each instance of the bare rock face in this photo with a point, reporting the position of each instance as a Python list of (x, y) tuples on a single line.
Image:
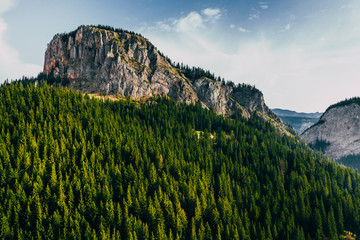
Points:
[(97, 60), (93, 60), (339, 130)]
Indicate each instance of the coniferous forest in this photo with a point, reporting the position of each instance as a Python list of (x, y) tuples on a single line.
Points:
[(76, 167)]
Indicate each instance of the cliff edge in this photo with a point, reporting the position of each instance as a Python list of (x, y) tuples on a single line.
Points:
[(337, 133), (117, 62)]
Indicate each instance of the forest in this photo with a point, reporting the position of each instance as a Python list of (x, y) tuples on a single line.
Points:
[(354, 100), (352, 161), (76, 167)]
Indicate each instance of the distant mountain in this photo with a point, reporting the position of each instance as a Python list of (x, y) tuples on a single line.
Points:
[(298, 120), (290, 113), (337, 133), (103, 60)]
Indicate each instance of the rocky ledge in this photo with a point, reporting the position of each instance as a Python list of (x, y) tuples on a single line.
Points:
[(116, 62)]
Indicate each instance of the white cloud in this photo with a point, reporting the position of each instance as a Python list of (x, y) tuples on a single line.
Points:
[(5, 5), (263, 5), (11, 67), (242, 29), (315, 65), (286, 28), (163, 26), (189, 23), (253, 16), (212, 14)]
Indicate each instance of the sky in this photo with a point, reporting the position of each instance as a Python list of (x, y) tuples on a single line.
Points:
[(303, 55)]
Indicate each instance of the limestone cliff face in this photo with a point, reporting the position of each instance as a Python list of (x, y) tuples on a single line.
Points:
[(340, 128), (97, 60), (93, 60)]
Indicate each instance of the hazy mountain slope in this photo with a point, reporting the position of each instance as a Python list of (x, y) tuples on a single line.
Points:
[(290, 113), (300, 121)]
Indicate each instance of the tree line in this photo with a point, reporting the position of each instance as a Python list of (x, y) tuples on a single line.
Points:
[(75, 167)]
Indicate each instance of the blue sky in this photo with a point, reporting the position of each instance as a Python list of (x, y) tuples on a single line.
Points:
[(303, 55)]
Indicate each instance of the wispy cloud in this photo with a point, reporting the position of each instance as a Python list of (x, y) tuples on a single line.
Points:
[(162, 26), (212, 14), (5, 5), (346, 6), (263, 5), (188, 23), (255, 14), (240, 29), (286, 28), (312, 58), (11, 67)]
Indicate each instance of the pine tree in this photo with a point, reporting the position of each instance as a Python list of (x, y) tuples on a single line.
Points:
[(332, 231)]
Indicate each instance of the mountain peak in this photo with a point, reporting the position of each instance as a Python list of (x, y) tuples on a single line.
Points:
[(337, 131), (95, 60), (98, 59)]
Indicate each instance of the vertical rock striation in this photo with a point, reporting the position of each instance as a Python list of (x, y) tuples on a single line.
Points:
[(93, 59), (97, 60)]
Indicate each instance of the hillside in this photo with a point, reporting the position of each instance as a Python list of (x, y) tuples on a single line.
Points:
[(103, 60), (337, 131), (74, 167), (299, 121)]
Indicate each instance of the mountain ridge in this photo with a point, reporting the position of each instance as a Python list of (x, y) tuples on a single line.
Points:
[(298, 120), (337, 131), (74, 167), (292, 113), (98, 59)]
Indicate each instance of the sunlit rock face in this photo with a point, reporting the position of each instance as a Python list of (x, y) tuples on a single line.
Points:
[(98, 60), (338, 130), (93, 60)]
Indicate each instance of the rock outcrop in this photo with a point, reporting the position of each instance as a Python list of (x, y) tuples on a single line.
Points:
[(97, 60), (337, 132), (94, 59)]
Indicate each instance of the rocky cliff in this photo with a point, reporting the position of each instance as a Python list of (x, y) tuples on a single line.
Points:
[(95, 59), (338, 131)]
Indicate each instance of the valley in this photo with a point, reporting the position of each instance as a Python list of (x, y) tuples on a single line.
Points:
[(113, 140), (299, 121)]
